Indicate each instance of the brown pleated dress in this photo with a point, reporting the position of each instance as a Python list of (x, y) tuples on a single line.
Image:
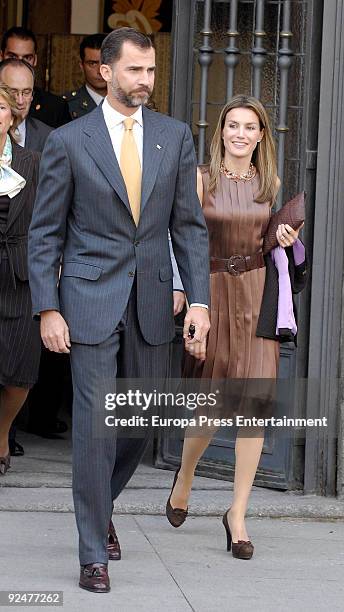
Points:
[(236, 225)]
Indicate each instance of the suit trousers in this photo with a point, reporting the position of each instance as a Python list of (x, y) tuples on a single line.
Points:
[(103, 462)]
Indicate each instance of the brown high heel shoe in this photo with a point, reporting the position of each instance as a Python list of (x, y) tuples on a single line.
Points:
[(243, 549), (176, 516)]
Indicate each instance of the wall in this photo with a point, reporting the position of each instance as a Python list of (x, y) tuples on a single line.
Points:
[(85, 16), (11, 12), (48, 16), (324, 365)]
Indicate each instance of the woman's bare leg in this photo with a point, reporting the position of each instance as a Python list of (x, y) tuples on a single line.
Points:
[(193, 449), (11, 401), (248, 450)]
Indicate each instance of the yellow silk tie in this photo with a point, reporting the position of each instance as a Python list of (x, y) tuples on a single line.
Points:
[(131, 168)]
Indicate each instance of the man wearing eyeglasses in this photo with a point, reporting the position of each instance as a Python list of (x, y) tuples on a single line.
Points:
[(92, 93), (18, 75), (20, 43)]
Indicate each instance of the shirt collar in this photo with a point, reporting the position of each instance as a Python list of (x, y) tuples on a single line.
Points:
[(96, 97), (114, 118), (22, 126)]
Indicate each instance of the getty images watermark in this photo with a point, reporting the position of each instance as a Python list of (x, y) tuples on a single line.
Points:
[(146, 401)]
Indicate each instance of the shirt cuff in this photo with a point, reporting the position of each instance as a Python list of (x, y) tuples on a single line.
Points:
[(197, 304)]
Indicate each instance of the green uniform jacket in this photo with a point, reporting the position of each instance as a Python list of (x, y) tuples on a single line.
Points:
[(79, 102)]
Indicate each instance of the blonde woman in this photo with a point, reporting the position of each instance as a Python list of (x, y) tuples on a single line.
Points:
[(19, 334), (237, 191)]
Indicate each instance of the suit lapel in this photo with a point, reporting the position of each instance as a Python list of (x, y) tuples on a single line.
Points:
[(85, 97), (20, 159), (30, 133), (154, 144), (99, 147)]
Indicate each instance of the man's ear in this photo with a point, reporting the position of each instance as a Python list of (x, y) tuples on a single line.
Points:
[(35, 61), (106, 72)]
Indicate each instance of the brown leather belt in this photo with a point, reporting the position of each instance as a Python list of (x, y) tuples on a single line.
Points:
[(237, 264)]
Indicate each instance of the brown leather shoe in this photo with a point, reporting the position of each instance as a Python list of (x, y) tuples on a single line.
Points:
[(113, 546), (94, 577), (176, 516), (243, 549), (5, 464)]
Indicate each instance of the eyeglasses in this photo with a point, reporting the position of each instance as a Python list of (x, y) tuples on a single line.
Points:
[(26, 93)]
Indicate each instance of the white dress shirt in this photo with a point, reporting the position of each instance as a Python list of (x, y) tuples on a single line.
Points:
[(21, 133), (114, 123), (96, 97)]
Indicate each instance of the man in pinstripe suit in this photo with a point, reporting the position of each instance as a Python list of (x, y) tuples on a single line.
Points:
[(113, 310)]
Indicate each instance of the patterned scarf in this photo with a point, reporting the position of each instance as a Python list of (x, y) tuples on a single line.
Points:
[(10, 181)]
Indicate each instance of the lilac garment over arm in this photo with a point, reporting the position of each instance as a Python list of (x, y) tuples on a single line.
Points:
[(285, 314), (299, 252)]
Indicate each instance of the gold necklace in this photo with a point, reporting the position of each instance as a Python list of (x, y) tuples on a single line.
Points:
[(245, 176)]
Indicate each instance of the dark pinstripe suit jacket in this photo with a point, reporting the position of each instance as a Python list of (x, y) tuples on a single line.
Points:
[(26, 163), (37, 133), (82, 211)]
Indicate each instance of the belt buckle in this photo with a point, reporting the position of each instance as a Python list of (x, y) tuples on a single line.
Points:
[(232, 262)]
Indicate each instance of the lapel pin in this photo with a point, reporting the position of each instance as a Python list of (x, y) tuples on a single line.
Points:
[(158, 146)]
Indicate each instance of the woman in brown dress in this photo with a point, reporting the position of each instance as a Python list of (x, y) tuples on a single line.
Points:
[(20, 343), (237, 191)]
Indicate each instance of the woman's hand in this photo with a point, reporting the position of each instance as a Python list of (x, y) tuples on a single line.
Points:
[(286, 235), (178, 301)]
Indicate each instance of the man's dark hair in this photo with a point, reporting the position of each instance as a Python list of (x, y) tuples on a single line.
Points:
[(112, 45), (93, 41), (18, 32), (13, 61)]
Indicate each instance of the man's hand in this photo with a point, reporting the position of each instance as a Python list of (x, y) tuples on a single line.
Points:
[(199, 317), (178, 301), (55, 332), (198, 350)]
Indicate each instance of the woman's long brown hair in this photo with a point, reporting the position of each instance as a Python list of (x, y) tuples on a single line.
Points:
[(264, 155)]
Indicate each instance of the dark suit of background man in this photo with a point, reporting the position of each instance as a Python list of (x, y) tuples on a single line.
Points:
[(85, 99), (21, 43), (114, 306)]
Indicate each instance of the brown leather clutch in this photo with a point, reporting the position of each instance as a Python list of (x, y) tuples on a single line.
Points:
[(293, 213)]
